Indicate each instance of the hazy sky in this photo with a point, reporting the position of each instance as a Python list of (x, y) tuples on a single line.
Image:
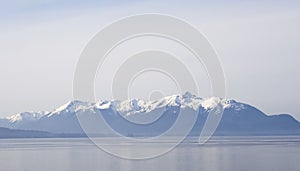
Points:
[(257, 41)]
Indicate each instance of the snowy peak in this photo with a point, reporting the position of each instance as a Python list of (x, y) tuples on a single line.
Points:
[(103, 104), (133, 106), (26, 116), (70, 107), (187, 100)]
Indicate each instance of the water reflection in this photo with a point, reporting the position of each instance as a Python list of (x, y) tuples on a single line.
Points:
[(225, 153)]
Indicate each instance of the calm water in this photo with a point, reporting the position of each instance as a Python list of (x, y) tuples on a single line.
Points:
[(222, 153)]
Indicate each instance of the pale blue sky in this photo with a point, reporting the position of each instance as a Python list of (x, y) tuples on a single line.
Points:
[(257, 41)]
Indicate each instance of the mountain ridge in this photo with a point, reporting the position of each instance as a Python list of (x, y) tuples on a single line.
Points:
[(238, 118)]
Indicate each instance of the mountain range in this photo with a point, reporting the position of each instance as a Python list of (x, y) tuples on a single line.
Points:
[(136, 117)]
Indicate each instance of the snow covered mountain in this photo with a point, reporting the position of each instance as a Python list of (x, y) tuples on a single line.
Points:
[(126, 117), (186, 100)]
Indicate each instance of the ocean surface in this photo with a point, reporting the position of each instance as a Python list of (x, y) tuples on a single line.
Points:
[(219, 153)]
